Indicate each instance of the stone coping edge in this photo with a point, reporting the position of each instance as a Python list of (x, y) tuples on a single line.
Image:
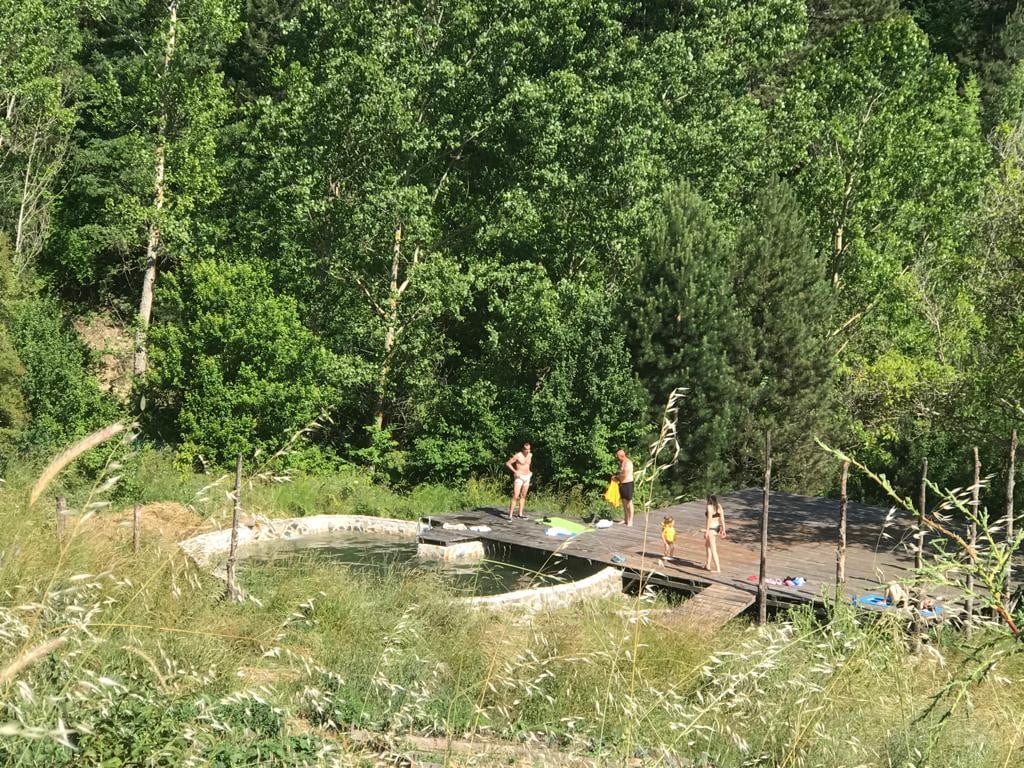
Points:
[(204, 550), (208, 551), (604, 583)]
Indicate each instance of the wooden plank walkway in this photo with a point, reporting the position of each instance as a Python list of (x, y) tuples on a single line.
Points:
[(802, 537), (710, 609)]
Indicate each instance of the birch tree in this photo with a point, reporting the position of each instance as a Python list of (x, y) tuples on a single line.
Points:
[(145, 155), (38, 42)]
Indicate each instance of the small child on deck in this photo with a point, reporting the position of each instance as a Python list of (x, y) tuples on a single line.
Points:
[(668, 536)]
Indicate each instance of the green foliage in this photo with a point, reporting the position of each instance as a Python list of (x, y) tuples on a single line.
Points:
[(234, 369), (535, 361), (137, 103), (462, 208), (973, 34), (38, 77), (893, 171), (63, 398), (13, 414), (13, 410)]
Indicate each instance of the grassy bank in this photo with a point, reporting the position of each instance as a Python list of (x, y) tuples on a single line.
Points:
[(148, 666)]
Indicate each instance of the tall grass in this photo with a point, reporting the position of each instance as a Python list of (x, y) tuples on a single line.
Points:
[(136, 660)]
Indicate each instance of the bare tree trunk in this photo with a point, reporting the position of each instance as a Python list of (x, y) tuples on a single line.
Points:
[(389, 315), (232, 592), (972, 536), (762, 586), (841, 550), (136, 528), (390, 327), (19, 235), (153, 241)]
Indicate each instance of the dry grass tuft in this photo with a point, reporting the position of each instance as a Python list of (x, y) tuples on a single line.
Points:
[(30, 657), (84, 445)]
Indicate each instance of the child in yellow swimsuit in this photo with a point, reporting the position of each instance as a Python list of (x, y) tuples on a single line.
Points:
[(668, 536)]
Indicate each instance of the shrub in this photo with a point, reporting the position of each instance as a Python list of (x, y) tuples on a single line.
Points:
[(234, 370), (63, 398)]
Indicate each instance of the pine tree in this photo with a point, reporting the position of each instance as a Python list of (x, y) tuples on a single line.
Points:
[(783, 290), (686, 332)]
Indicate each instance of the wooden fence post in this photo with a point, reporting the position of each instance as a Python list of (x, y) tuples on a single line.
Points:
[(136, 527), (233, 593), (841, 551), (62, 517), (972, 537), (762, 587), (1008, 579), (922, 501)]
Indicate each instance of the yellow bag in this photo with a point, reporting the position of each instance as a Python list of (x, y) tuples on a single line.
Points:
[(612, 494)]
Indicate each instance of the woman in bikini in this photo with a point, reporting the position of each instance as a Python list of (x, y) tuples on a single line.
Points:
[(714, 527)]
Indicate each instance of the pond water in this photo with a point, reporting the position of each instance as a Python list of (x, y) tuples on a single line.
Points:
[(504, 569)]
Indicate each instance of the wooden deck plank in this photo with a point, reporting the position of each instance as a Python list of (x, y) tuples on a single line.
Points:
[(802, 538), (710, 609)]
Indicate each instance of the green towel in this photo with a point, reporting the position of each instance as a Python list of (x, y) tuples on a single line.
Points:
[(565, 525)]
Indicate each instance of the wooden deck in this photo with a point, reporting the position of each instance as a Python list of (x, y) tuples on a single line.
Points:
[(802, 539), (710, 609)]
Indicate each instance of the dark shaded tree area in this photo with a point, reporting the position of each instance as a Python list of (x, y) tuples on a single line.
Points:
[(452, 228)]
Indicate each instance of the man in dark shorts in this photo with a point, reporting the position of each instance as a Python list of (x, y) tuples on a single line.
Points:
[(625, 478)]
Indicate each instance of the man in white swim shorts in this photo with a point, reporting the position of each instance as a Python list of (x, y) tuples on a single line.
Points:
[(519, 466)]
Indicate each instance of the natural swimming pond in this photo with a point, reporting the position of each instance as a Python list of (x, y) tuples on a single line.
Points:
[(504, 569)]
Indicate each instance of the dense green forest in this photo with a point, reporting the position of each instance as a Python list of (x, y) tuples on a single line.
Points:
[(434, 229)]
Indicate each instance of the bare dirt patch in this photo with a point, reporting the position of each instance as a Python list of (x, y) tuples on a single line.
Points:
[(113, 345), (165, 521)]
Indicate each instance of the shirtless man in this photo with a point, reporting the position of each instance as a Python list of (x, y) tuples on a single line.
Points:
[(625, 478), (519, 466)]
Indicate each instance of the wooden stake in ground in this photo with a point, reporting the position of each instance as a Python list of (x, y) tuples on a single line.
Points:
[(972, 536), (62, 517), (841, 550), (919, 556), (762, 587), (136, 527), (922, 500), (1008, 579), (233, 593)]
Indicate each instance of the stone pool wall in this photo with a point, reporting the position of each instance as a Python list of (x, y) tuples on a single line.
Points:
[(604, 583), (459, 552), (210, 550)]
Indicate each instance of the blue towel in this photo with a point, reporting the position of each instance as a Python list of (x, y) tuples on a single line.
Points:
[(878, 601)]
